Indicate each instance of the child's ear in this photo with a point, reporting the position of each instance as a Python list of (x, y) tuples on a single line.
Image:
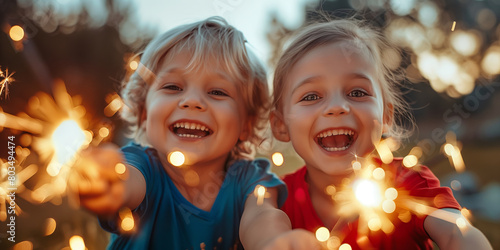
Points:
[(143, 116), (280, 131), (388, 118), (245, 133)]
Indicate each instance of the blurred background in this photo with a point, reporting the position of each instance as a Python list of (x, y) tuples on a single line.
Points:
[(66, 58)]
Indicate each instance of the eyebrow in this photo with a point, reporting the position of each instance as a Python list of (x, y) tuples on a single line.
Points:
[(305, 81)]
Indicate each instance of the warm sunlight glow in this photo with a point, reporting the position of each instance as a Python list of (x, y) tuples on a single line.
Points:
[(322, 234), (176, 158), (278, 159), (367, 192)]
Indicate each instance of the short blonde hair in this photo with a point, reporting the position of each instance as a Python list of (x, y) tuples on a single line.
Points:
[(361, 35), (209, 40)]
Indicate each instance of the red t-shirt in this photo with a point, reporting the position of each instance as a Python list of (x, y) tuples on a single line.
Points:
[(421, 184)]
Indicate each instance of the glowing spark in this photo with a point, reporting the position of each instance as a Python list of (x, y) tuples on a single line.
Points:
[(367, 192), (192, 178), (103, 132), (50, 226), (331, 190), (391, 193), (278, 159), (127, 223), (76, 243), (389, 206), (115, 103), (133, 65), (333, 242), (7, 79), (410, 161), (67, 139), (378, 174), (384, 150), (322, 234), (176, 158), (456, 185), (375, 224), (455, 157), (356, 165), (16, 33), (260, 193), (461, 223), (345, 246), (23, 245), (453, 26), (120, 168)]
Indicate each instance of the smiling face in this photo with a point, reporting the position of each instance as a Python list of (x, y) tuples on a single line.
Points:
[(332, 107), (198, 112)]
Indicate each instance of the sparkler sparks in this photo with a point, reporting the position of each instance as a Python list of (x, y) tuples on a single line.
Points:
[(176, 158), (4, 83)]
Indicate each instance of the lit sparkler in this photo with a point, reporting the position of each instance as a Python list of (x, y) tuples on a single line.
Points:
[(372, 198), (56, 125), (4, 83)]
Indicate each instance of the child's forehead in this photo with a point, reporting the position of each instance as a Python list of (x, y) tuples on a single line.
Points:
[(187, 61)]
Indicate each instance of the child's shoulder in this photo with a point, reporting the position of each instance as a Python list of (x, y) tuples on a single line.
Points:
[(242, 165)]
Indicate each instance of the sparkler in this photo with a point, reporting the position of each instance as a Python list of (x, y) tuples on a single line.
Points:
[(372, 198), (4, 83), (277, 159)]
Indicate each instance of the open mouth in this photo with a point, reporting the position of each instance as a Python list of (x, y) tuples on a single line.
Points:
[(333, 140), (190, 130)]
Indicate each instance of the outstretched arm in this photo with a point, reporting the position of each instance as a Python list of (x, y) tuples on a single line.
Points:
[(267, 227), (450, 230), (102, 187)]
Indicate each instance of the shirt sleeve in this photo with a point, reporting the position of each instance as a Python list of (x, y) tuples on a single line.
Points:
[(258, 172), (137, 157), (425, 186)]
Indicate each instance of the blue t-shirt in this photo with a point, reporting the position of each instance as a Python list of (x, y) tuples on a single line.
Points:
[(166, 220)]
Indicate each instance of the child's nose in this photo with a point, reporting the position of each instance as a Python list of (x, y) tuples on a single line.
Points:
[(192, 101), (336, 106)]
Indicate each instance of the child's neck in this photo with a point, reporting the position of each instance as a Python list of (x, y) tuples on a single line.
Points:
[(199, 184), (323, 203)]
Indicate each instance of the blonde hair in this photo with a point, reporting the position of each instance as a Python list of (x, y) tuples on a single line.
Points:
[(364, 38), (209, 40)]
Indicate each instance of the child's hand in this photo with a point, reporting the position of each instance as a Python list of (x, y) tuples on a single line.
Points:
[(99, 182), (294, 240)]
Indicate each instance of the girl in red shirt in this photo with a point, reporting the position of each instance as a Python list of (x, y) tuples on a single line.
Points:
[(335, 95)]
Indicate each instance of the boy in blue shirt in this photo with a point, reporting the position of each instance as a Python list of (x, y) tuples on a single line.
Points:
[(198, 90)]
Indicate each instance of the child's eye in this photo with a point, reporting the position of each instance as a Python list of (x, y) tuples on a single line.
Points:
[(357, 93), (217, 93), (310, 97), (172, 87)]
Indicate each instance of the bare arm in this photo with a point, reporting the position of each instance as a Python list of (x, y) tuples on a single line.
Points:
[(267, 227), (441, 225), (101, 188)]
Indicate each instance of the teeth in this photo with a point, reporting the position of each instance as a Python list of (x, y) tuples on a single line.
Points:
[(189, 125), (333, 149), (190, 136), (336, 132)]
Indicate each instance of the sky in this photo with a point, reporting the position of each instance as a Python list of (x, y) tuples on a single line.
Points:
[(251, 17)]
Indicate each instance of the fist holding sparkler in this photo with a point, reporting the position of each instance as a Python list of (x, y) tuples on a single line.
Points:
[(104, 184)]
